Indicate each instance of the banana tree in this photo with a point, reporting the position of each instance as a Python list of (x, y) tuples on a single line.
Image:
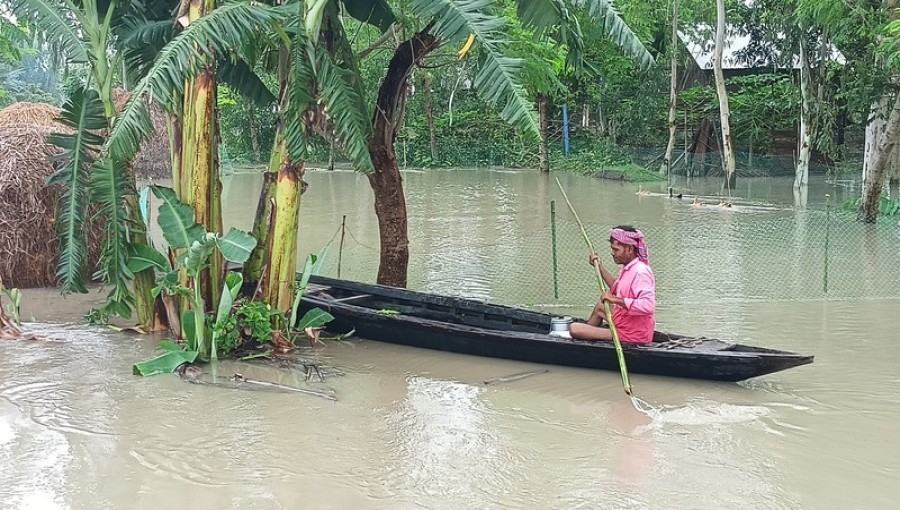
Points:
[(318, 92), (82, 33), (191, 110), (197, 177)]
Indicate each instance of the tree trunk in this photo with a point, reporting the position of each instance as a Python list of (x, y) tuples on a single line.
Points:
[(262, 223), (801, 174), (724, 110), (878, 114), (281, 267), (666, 166), (273, 262), (543, 152), (386, 182), (880, 158), (199, 184), (429, 117)]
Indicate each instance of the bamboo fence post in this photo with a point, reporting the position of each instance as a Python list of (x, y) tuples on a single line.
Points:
[(553, 249), (341, 245)]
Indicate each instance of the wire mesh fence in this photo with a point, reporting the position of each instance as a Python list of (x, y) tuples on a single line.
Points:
[(805, 255)]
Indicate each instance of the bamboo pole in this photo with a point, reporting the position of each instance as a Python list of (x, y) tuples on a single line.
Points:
[(341, 246), (626, 384), (827, 242), (553, 249)]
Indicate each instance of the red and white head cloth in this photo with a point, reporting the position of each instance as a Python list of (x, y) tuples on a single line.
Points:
[(635, 239)]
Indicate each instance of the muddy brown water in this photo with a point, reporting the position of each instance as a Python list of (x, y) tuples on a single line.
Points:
[(419, 429)]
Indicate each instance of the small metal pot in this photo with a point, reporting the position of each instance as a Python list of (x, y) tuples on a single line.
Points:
[(559, 326)]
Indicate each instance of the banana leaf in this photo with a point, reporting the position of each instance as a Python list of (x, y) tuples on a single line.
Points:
[(236, 246), (315, 318), (164, 363)]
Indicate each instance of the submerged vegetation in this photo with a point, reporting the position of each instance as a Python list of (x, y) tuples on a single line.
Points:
[(552, 85)]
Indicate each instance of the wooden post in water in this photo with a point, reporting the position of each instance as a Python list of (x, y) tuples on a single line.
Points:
[(341, 245), (827, 242), (553, 248)]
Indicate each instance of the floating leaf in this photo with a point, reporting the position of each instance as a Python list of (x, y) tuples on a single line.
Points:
[(165, 363)]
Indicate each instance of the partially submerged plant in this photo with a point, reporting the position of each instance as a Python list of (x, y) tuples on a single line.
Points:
[(236, 320), (11, 309), (9, 314)]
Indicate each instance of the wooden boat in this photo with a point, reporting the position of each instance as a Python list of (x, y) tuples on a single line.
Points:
[(466, 326)]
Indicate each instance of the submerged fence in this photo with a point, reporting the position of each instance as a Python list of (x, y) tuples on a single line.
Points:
[(800, 255)]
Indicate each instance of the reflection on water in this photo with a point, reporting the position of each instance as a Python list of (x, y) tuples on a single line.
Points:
[(418, 429)]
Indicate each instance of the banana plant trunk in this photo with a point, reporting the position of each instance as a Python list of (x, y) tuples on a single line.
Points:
[(199, 185), (283, 217), (386, 182), (253, 270), (273, 263)]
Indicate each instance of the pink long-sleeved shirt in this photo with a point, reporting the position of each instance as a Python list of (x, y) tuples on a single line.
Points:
[(636, 285)]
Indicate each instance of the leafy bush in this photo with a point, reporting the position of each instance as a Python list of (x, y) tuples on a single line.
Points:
[(250, 320)]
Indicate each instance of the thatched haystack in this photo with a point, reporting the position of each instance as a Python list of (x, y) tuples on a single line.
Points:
[(28, 208), (153, 160), (28, 240), (29, 115)]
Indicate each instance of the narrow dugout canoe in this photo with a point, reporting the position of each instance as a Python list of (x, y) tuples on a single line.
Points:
[(431, 321)]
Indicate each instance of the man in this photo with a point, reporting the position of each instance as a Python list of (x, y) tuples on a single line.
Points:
[(632, 296)]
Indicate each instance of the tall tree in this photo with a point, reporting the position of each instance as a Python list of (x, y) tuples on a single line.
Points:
[(804, 140), (722, 93), (666, 165), (497, 80), (866, 34)]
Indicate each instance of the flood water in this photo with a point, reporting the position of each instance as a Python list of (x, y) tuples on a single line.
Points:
[(420, 429)]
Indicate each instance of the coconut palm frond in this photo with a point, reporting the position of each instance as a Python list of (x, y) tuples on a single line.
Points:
[(56, 23), (110, 188), (83, 114), (497, 79), (218, 31), (603, 11), (345, 109)]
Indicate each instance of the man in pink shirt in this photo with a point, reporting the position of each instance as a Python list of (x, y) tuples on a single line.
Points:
[(632, 295)]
